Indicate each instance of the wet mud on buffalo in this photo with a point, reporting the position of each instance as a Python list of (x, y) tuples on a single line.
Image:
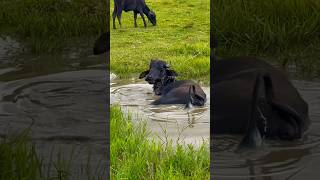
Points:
[(253, 98), (170, 90)]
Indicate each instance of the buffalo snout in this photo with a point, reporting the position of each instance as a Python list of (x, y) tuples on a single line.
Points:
[(151, 76), (149, 79)]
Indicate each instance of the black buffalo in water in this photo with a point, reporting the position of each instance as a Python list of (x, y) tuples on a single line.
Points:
[(137, 6), (171, 90), (253, 98), (102, 44)]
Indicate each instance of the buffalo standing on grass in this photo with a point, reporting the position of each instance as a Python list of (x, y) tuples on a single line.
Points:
[(137, 6)]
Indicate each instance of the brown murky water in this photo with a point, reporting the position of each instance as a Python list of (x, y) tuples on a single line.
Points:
[(189, 126)]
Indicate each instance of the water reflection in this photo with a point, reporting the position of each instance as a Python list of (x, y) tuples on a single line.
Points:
[(65, 108), (63, 101)]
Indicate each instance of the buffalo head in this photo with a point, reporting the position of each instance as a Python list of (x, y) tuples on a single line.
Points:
[(152, 17), (159, 75)]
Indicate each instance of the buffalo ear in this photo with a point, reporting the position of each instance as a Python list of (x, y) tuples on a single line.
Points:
[(143, 74), (171, 73)]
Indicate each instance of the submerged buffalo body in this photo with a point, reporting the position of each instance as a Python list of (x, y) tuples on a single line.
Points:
[(253, 98), (137, 6), (172, 91), (102, 44)]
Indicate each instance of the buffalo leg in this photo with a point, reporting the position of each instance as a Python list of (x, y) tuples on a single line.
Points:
[(135, 18), (114, 14), (119, 13), (142, 16)]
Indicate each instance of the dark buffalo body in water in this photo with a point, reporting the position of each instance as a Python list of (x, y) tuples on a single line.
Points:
[(179, 93), (283, 114), (172, 91), (137, 6)]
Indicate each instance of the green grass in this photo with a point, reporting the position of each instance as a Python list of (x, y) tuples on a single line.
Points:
[(283, 31), (181, 37), (19, 159), (45, 26), (134, 156)]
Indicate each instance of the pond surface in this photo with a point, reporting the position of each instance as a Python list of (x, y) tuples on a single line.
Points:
[(276, 159), (189, 126), (63, 104)]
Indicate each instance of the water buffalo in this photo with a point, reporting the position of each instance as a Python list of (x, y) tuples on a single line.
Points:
[(102, 44), (253, 98), (137, 6), (171, 90)]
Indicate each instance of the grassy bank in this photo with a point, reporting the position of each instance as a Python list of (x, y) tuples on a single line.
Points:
[(181, 37), (133, 156), (284, 31), (46, 26), (18, 159)]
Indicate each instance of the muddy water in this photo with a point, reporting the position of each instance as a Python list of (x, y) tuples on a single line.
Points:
[(63, 105), (174, 122), (275, 160), (66, 111)]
